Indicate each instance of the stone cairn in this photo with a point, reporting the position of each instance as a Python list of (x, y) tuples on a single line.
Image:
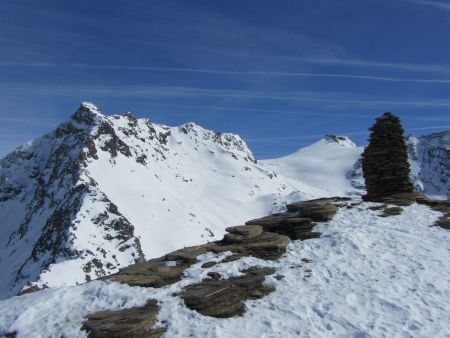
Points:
[(385, 161)]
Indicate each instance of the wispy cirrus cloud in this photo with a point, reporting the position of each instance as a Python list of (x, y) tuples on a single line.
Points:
[(363, 63), (433, 3), (180, 92), (264, 73)]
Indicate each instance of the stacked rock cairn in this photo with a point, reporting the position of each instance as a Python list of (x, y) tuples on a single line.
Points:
[(385, 160)]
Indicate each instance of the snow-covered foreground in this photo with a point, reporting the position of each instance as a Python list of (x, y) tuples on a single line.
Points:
[(367, 276)]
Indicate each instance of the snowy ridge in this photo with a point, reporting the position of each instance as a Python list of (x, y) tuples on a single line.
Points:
[(367, 276), (101, 192), (323, 166)]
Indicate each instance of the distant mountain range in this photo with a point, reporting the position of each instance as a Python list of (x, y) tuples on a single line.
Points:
[(102, 192)]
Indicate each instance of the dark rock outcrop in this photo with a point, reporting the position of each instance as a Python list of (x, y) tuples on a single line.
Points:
[(298, 223), (266, 239), (225, 298), (135, 322), (385, 160), (245, 240)]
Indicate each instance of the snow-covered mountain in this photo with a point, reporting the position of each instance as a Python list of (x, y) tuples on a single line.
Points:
[(101, 192), (323, 165), (429, 159)]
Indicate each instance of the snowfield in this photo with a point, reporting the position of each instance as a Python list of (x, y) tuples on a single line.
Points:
[(367, 276), (323, 165)]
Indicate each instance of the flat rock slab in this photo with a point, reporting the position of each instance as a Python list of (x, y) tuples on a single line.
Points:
[(268, 246), (400, 199), (319, 210), (127, 323), (292, 226), (224, 298), (154, 273)]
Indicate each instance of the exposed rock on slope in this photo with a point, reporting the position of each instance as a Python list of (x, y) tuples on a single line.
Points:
[(53, 210), (101, 192), (213, 296), (429, 159)]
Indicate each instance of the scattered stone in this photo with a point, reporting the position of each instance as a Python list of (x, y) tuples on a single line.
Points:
[(214, 275), (392, 211), (135, 322), (306, 260), (385, 161), (208, 265), (279, 277), (225, 298)]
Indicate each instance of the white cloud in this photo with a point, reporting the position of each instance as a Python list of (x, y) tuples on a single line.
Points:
[(268, 73), (437, 4)]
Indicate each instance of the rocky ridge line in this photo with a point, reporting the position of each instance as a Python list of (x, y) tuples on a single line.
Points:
[(214, 296)]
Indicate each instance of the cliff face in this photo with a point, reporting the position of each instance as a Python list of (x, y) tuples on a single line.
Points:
[(429, 158)]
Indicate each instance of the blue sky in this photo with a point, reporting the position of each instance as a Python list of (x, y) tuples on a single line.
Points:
[(279, 73)]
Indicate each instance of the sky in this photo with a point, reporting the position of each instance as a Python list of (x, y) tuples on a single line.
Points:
[(279, 73)]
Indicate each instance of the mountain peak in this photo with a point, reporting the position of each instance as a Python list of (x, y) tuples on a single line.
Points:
[(87, 113), (344, 141)]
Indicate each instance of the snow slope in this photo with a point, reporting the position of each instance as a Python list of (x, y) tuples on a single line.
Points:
[(368, 276), (324, 165), (429, 158), (101, 192)]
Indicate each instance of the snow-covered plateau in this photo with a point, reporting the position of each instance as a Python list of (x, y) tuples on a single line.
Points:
[(102, 192)]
